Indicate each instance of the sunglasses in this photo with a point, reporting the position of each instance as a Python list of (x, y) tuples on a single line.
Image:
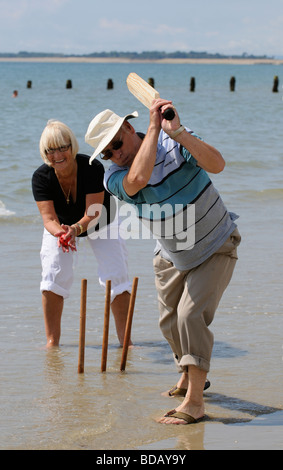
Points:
[(115, 146), (62, 149)]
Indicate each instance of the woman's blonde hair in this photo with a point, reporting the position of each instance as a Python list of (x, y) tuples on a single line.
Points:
[(57, 134)]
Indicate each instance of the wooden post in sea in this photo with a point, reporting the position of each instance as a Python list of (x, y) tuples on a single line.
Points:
[(110, 84), (275, 84), (29, 84), (82, 327), (192, 84), (69, 84), (151, 81), (232, 83)]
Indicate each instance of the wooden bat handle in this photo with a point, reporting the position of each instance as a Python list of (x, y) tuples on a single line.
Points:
[(169, 114)]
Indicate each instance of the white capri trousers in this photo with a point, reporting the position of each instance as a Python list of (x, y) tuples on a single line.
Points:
[(58, 272)]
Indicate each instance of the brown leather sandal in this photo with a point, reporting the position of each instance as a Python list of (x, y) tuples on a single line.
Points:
[(181, 392), (184, 416)]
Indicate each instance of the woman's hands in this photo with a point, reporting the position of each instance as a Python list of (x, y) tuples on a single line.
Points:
[(67, 238)]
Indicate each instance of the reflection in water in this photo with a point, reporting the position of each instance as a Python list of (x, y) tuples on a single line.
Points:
[(54, 363)]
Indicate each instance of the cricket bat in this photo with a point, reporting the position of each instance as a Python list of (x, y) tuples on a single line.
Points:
[(145, 93)]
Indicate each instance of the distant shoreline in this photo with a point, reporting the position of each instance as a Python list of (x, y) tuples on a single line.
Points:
[(97, 60)]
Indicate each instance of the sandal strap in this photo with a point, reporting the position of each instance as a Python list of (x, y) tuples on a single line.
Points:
[(178, 414)]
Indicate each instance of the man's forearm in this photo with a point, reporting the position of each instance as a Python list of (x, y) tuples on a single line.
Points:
[(208, 157)]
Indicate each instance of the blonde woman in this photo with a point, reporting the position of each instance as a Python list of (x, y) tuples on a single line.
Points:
[(64, 188)]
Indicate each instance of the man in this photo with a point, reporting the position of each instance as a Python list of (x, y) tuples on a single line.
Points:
[(168, 166)]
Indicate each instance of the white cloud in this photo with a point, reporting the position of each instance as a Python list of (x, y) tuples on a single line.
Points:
[(165, 29), (116, 26), (128, 34), (19, 8)]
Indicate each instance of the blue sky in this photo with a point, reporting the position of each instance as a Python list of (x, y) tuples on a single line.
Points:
[(85, 26)]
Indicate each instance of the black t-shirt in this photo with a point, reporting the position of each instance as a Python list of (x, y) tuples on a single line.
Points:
[(46, 187)]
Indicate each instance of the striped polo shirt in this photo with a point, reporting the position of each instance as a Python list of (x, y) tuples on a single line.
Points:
[(179, 204)]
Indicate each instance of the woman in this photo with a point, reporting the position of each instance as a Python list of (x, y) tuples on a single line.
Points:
[(65, 189)]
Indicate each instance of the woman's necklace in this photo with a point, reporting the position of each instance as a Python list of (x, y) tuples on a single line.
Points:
[(67, 197), (74, 173)]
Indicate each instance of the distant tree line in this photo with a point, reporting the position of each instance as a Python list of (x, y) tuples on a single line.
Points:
[(146, 55), (155, 55)]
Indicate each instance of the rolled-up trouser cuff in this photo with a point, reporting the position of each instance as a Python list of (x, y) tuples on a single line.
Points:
[(117, 290), (50, 286), (190, 360)]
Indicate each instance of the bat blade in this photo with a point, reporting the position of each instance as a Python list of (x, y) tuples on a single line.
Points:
[(142, 90), (145, 93)]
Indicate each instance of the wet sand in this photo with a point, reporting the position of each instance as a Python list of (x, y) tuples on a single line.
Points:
[(262, 433)]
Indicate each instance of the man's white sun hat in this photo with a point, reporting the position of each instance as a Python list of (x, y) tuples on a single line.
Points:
[(103, 128)]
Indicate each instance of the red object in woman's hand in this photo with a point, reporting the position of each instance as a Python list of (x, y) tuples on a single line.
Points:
[(64, 241)]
